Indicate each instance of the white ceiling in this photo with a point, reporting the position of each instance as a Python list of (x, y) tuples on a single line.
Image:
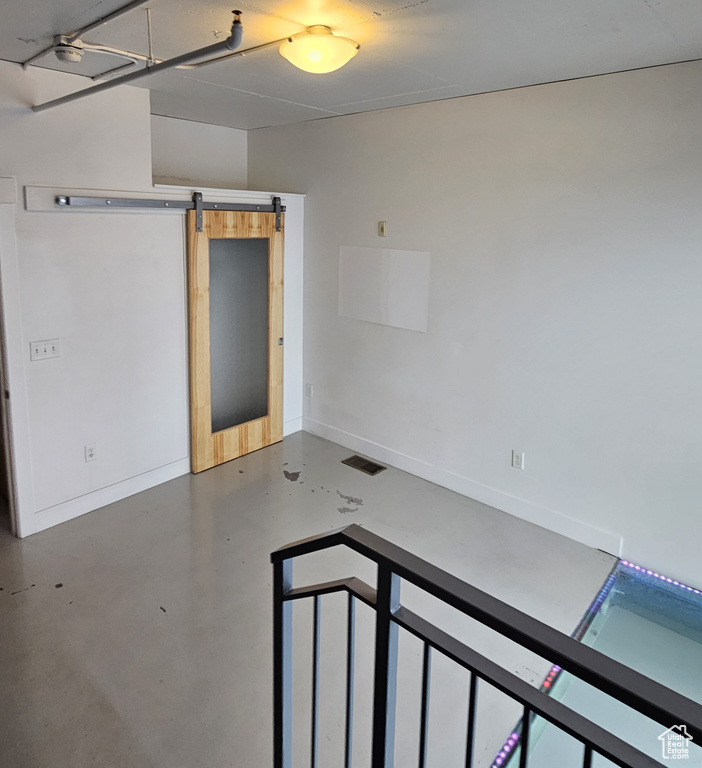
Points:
[(411, 50)]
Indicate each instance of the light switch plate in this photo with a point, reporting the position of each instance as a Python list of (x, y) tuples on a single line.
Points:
[(43, 350)]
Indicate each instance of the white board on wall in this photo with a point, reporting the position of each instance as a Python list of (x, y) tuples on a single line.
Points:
[(386, 286)]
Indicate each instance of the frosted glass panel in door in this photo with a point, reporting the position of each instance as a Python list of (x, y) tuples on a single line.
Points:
[(238, 330)]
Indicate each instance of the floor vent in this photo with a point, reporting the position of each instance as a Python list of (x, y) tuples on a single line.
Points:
[(365, 465)]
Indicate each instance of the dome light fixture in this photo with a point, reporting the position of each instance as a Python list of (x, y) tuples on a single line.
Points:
[(318, 50)]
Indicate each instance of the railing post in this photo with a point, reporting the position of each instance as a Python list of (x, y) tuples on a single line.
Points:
[(282, 666), (385, 679)]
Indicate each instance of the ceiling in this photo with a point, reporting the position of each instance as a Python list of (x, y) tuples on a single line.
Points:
[(412, 51)]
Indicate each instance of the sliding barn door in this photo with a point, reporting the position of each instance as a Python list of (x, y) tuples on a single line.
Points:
[(235, 277)]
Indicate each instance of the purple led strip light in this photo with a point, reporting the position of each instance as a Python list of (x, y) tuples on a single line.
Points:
[(641, 570), (510, 744), (550, 680), (513, 741)]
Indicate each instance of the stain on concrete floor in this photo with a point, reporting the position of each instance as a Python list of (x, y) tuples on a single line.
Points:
[(350, 499)]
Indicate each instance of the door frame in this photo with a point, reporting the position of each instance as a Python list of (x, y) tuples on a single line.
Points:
[(7, 462), (15, 432)]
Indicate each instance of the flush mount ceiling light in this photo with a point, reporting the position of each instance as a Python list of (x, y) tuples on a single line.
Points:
[(318, 50)]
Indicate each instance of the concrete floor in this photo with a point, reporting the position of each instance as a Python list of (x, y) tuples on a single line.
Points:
[(139, 636)]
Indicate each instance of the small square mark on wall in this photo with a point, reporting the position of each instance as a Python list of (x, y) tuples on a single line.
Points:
[(386, 286)]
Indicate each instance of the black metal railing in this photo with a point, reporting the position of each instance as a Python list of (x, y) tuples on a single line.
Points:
[(395, 564)]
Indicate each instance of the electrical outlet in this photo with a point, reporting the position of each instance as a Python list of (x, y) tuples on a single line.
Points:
[(517, 460), (43, 350), (91, 452), (309, 391)]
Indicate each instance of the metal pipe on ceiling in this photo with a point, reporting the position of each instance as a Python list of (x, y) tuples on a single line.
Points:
[(232, 42), (110, 51), (114, 70), (134, 58), (137, 57), (261, 47)]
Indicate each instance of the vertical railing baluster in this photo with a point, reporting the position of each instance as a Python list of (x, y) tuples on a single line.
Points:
[(385, 669), (470, 734), (315, 682), (524, 739), (282, 666), (350, 661), (424, 722), (587, 758)]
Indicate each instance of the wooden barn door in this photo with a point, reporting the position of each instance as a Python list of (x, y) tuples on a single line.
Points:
[(235, 287)]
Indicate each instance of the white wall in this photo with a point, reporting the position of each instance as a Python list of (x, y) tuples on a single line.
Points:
[(184, 152), (564, 226), (111, 287)]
